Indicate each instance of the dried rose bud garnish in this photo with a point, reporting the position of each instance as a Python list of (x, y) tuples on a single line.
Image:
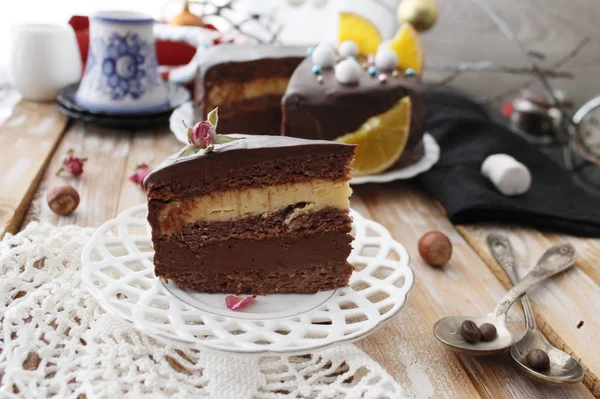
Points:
[(139, 174), (204, 135), (72, 164), (234, 302)]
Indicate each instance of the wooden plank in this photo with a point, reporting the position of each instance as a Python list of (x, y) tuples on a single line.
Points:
[(588, 253), (562, 303), (406, 346), (104, 187), (100, 184), (28, 139), (149, 147)]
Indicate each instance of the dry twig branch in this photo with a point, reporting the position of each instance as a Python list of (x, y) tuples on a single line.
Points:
[(210, 9), (560, 63), (486, 66), (506, 30)]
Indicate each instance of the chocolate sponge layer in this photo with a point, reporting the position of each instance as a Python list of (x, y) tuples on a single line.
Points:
[(310, 278), (253, 261), (260, 115), (259, 255), (257, 227)]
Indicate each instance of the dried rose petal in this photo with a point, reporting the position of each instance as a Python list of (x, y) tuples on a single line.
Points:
[(234, 303), (140, 173), (72, 164)]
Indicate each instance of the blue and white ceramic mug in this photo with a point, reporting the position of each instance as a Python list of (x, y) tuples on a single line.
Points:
[(121, 74)]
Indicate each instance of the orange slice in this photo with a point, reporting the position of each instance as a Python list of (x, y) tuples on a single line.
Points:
[(381, 139), (360, 30), (407, 46)]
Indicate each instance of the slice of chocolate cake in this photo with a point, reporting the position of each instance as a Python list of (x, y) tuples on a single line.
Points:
[(246, 82), (261, 215)]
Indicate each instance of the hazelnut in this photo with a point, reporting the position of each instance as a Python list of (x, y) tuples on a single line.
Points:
[(62, 199), (435, 248)]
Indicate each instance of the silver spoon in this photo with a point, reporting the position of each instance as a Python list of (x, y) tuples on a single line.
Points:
[(563, 368), (447, 330)]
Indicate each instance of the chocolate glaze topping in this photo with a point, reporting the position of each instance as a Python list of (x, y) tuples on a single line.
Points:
[(240, 53)]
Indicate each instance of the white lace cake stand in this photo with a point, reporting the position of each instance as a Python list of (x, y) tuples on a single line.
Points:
[(118, 270), (185, 113)]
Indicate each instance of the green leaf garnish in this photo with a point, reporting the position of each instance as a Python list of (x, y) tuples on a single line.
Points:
[(189, 150), (213, 117)]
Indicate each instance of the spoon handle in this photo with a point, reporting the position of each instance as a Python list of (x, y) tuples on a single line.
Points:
[(502, 251), (554, 260)]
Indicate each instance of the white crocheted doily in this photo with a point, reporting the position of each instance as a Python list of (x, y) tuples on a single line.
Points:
[(57, 341)]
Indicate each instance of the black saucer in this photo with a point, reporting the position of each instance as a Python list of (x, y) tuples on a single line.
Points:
[(177, 95)]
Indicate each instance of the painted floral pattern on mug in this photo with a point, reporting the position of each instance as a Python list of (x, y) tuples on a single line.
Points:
[(123, 66)]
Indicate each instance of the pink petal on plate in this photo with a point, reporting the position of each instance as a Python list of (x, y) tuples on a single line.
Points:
[(234, 303)]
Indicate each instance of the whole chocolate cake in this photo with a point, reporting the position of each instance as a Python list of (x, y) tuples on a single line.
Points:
[(375, 100), (261, 215), (246, 82)]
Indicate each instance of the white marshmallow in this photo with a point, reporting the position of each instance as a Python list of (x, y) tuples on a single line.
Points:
[(508, 175), (347, 49), (348, 71), (386, 60), (323, 55)]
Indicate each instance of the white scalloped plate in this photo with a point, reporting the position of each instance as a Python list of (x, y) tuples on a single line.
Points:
[(118, 270), (185, 113)]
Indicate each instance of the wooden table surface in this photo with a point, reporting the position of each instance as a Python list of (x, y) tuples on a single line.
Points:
[(35, 137)]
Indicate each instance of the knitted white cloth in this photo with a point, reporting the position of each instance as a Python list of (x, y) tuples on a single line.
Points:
[(56, 340)]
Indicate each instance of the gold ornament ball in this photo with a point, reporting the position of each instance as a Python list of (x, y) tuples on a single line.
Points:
[(421, 14), (186, 17)]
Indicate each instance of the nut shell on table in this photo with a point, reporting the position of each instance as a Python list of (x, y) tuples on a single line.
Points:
[(62, 199), (435, 248)]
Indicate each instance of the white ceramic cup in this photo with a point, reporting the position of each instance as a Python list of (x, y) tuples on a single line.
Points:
[(42, 60), (121, 74)]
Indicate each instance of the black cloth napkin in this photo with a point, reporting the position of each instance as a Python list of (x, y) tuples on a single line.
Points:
[(467, 135)]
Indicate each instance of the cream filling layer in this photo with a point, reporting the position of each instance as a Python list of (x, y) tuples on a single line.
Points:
[(236, 91), (234, 204)]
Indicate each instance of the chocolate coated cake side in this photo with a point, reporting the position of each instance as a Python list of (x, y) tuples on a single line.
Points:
[(327, 110)]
